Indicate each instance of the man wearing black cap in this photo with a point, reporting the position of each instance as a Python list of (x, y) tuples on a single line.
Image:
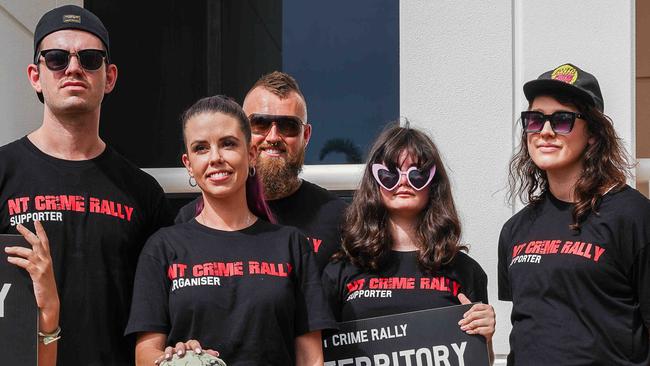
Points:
[(96, 207)]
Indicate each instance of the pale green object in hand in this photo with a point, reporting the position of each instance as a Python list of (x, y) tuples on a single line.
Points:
[(194, 359)]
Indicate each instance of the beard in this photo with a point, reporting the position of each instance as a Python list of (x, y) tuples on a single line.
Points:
[(279, 176)]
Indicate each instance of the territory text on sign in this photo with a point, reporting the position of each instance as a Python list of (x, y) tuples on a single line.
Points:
[(420, 338)]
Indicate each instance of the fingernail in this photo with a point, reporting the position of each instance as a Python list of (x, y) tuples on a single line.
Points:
[(168, 355), (197, 350), (179, 352)]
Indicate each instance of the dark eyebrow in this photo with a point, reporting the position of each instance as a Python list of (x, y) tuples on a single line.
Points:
[(228, 137), (196, 142)]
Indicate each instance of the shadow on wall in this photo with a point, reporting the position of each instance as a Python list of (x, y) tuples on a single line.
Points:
[(344, 146)]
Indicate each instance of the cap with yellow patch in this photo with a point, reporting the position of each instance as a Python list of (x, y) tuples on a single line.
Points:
[(566, 79)]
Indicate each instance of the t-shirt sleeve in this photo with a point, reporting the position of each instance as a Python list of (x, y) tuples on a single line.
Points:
[(633, 241), (503, 278), (641, 273), (161, 211), (189, 211), (480, 288), (330, 281), (149, 306), (312, 310)]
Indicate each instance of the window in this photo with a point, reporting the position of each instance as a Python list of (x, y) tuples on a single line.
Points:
[(345, 55)]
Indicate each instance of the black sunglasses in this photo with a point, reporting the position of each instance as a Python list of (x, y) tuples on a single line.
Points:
[(289, 126), (57, 60), (561, 122)]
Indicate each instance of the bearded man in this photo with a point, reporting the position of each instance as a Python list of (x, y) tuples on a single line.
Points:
[(277, 111)]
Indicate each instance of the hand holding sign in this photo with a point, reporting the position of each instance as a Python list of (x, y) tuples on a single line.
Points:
[(38, 263), (479, 319)]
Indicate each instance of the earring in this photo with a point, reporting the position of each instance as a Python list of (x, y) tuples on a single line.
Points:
[(251, 171), (192, 181)]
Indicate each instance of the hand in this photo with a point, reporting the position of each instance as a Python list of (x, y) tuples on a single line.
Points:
[(37, 261), (181, 348), (479, 319)]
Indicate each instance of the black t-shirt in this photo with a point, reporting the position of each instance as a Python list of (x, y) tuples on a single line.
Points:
[(246, 293), (579, 298), (400, 287), (316, 212), (97, 215)]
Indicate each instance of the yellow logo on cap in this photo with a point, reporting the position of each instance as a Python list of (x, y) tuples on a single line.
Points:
[(72, 19), (565, 73)]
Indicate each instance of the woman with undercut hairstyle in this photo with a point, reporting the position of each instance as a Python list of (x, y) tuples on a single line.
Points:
[(229, 279), (403, 223), (575, 261)]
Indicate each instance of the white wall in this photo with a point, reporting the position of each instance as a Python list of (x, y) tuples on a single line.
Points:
[(21, 110), (456, 82), (463, 64)]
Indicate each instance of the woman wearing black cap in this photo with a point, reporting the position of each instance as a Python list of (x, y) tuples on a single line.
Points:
[(574, 261)]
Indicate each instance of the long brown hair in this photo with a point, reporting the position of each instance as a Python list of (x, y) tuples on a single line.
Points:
[(367, 240), (606, 165)]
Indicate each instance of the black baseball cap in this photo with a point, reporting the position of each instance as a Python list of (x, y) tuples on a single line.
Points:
[(70, 17), (567, 79)]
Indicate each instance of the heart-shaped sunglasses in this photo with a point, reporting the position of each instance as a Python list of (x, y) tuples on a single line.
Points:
[(389, 179)]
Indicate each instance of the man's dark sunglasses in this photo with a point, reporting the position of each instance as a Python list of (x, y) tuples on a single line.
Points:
[(561, 122), (57, 60), (289, 126)]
